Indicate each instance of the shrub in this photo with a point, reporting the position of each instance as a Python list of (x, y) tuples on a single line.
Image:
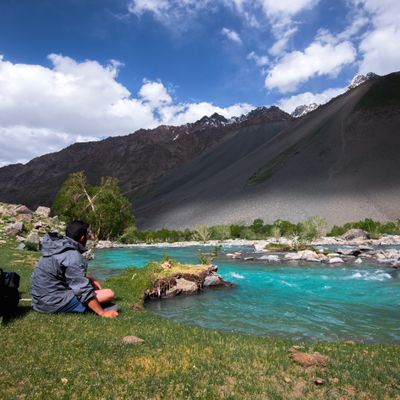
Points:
[(276, 232), (202, 233), (220, 232), (313, 228)]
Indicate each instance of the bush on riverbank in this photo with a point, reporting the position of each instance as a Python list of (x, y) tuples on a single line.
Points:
[(374, 228), (308, 230)]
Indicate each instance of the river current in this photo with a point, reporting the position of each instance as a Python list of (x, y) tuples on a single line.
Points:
[(300, 302)]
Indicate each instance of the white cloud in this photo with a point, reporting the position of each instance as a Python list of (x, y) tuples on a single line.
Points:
[(44, 109), (175, 14), (260, 61), (279, 14), (289, 104), (286, 7), (380, 45), (158, 7), (231, 35), (155, 93), (317, 59)]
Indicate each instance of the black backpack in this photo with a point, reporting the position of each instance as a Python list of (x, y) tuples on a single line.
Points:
[(9, 294)]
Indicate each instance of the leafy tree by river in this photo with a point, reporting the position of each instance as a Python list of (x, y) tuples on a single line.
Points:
[(104, 207)]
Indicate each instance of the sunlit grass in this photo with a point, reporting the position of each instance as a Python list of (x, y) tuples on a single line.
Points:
[(83, 356)]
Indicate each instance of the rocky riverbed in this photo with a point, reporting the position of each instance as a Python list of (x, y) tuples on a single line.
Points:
[(355, 247)]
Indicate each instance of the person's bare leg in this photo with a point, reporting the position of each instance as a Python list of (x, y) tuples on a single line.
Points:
[(104, 295)]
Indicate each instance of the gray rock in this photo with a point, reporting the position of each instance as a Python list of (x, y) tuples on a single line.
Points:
[(270, 258), (358, 261), (172, 292), (32, 238), (132, 340), (21, 209), (15, 228), (248, 258), (293, 256), (212, 280), (355, 234), (24, 217), (186, 287), (21, 246), (43, 211), (335, 260)]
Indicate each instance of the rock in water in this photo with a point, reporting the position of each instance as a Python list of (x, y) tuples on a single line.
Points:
[(212, 280), (186, 287), (335, 260)]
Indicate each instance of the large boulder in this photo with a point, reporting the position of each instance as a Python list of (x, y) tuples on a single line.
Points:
[(213, 280), (5, 211), (15, 228), (185, 286), (24, 217), (355, 234), (21, 209), (43, 211)]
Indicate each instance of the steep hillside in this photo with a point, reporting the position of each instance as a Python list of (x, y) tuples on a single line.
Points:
[(341, 161), (137, 160)]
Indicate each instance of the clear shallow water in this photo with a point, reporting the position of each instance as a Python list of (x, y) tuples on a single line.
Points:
[(297, 302)]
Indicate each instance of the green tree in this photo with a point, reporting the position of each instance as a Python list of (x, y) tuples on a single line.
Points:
[(104, 207), (202, 233)]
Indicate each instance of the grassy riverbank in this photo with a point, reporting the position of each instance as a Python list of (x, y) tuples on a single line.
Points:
[(83, 357)]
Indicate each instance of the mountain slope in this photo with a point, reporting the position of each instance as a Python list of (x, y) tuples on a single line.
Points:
[(341, 161), (137, 160)]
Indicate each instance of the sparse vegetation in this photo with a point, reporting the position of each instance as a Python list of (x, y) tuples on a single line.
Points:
[(373, 228), (306, 231)]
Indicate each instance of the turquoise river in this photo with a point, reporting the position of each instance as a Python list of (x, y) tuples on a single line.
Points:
[(300, 302)]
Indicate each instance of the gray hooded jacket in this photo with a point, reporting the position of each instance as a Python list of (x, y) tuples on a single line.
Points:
[(60, 274)]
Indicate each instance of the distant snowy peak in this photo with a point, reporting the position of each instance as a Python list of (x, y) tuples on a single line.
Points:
[(259, 114), (300, 111), (266, 114), (214, 120), (359, 79), (256, 116)]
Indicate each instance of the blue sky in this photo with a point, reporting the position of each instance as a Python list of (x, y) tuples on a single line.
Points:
[(79, 70)]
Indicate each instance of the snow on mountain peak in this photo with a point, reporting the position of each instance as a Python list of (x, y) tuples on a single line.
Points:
[(360, 78), (304, 109)]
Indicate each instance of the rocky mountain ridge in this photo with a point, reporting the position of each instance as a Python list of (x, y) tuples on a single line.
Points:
[(304, 109), (339, 162), (137, 160)]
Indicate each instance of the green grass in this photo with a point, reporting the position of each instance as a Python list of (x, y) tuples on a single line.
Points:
[(83, 356)]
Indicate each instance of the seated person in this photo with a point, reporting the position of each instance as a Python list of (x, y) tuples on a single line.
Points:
[(59, 282)]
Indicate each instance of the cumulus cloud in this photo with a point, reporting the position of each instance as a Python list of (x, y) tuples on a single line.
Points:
[(289, 104), (231, 35), (45, 109), (317, 59), (380, 45)]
